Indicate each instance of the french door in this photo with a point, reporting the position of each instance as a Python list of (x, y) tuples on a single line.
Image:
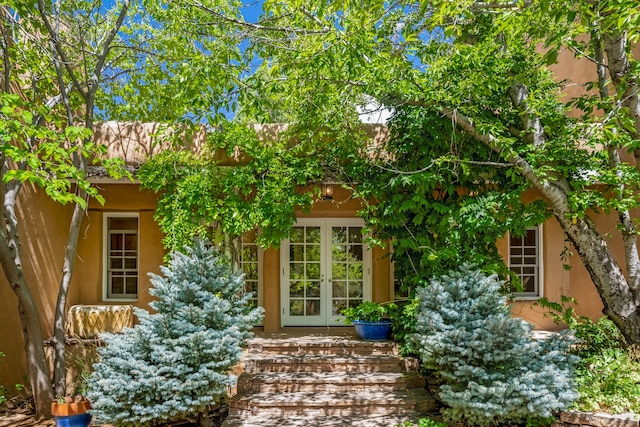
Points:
[(326, 267)]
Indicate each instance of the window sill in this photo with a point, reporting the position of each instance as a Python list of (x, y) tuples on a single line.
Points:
[(526, 297), (120, 300)]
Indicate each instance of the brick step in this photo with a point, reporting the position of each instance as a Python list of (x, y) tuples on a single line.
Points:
[(335, 382), (332, 404), (321, 421), (322, 346), (255, 364)]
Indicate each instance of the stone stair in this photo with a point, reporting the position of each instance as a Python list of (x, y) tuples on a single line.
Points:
[(327, 381)]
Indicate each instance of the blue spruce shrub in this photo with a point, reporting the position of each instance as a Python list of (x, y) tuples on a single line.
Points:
[(492, 369), (175, 363)]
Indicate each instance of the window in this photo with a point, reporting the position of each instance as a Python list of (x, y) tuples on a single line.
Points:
[(121, 256), (525, 261), (249, 263), (399, 289)]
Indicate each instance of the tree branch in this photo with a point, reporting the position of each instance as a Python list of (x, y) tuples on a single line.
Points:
[(55, 39), (6, 41), (106, 47), (482, 5), (258, 27), (554, 190), (615, 47), (531, 122), (628, 230)]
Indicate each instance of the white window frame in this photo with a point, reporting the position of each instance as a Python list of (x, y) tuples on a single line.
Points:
[(524, 296), (105, 255)]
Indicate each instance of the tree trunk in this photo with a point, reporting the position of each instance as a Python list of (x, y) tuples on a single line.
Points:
[(617, 297), (37, 369), (204, 420), (11, 262), (59, 366), (619, 300)]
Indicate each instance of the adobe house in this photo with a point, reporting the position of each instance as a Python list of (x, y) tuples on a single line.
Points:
[(323, 266)]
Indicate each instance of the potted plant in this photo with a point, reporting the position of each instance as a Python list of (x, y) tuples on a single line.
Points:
[(71, 411), (370, 319)]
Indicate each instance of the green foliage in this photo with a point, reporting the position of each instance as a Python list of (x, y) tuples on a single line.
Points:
[(608, 374), (48, 156), (476, 104), (403, 324), (493, 370), (185, 68), (47, 132), (367, 311), (592, 338), (202, 197), (609, 381), (444, 215), (424, 422), (428, 422)]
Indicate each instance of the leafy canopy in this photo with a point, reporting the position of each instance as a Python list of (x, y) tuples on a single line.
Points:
[(209, 194)]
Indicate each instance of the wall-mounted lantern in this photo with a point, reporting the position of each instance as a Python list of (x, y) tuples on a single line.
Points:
[(327, 191)]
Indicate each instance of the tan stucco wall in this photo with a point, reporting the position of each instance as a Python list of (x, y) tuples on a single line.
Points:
[(43, 235), (43, 238), (558, 280), (271, 289), (119, 198)]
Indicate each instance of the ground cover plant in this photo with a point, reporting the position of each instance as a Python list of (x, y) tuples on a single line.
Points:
[(608, 373), (492, 370), (175, 363)]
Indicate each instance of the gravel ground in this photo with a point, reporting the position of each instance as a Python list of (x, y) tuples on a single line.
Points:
[(22, 415)]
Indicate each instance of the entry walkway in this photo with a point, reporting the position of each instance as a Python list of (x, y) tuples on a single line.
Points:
[(320, 377)]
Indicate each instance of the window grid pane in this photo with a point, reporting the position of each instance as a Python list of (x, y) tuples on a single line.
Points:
[(122, 257), (249, 266), (526, 267), (304, 271), (346, 268)]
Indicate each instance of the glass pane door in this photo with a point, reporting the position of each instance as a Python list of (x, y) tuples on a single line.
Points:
[(304, 272), (347, 267), (325, 268)]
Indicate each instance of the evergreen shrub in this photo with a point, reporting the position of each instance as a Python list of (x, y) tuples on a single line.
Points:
[(175, 363), (493, 371)]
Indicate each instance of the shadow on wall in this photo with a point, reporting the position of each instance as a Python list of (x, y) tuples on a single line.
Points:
[(43, 234), (135, 142)]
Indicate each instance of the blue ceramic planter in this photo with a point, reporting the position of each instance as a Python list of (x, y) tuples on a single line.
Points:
[(373, 331), (80, 420)]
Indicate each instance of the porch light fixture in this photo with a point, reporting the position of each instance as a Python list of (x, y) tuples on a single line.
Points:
[(327, 191)]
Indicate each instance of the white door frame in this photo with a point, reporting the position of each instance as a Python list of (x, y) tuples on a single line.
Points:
[(326, 317)]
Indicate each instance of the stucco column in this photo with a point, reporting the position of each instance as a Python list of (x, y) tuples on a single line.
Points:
[(271, 289), (381, 274)]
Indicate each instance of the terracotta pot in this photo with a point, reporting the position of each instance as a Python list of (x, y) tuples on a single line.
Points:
[(68, 409)]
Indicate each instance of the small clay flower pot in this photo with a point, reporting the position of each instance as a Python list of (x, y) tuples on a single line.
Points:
[(72, 414), (68, 409)]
